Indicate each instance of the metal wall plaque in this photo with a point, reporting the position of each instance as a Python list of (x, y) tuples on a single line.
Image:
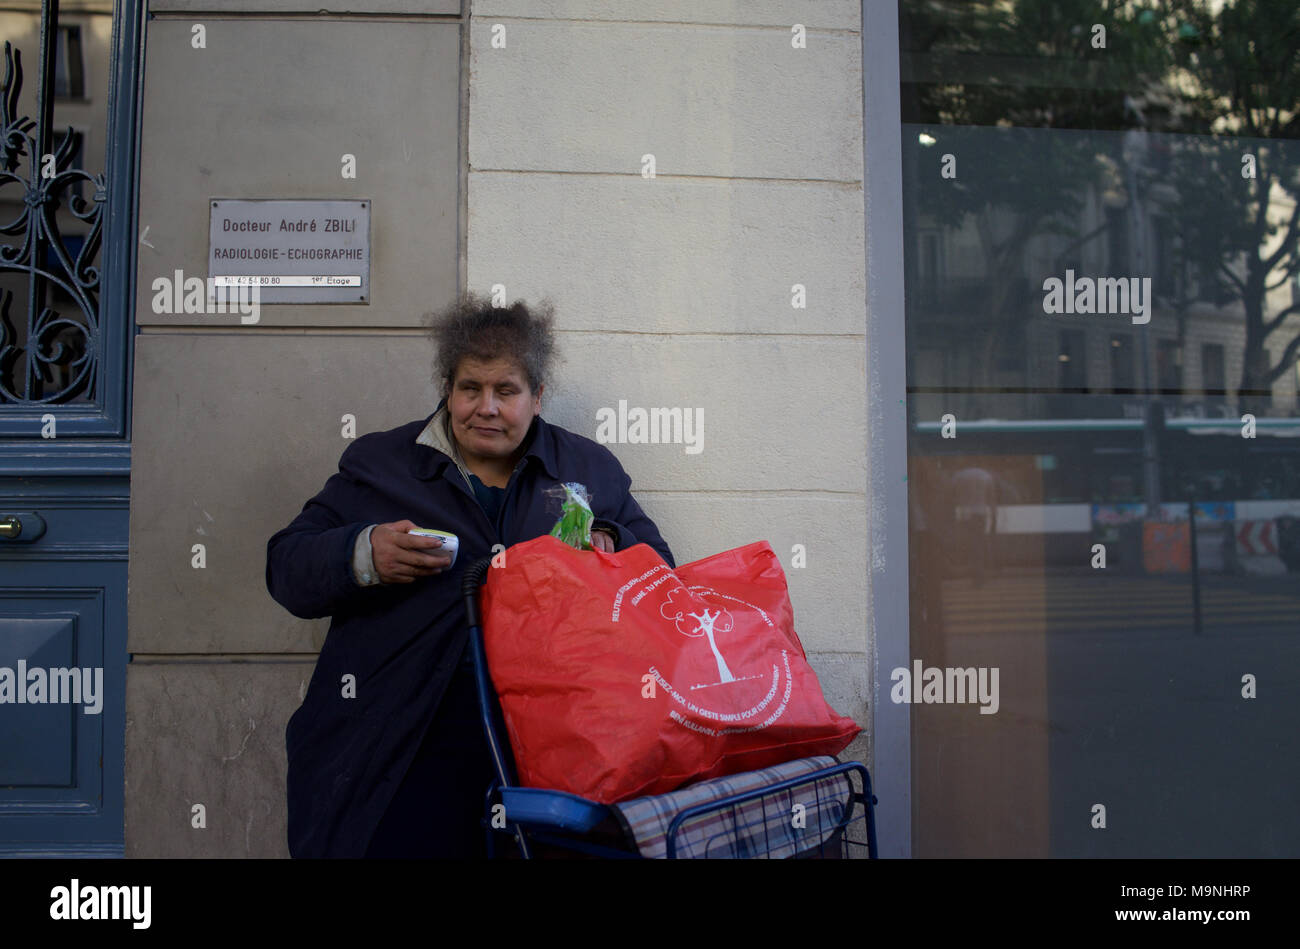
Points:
[(293, 251)]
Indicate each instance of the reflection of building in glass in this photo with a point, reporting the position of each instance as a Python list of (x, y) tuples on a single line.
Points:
[(967, 290), (47, 366)]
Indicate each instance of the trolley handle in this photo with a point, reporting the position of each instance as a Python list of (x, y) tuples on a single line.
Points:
[(472, 580)]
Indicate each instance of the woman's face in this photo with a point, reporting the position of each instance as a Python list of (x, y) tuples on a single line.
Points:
[(491, 408)]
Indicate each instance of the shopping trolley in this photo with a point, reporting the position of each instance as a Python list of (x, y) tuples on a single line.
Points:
[(806, 808)]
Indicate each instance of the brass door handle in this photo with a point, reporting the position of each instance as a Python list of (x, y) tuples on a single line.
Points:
[(23, 527)]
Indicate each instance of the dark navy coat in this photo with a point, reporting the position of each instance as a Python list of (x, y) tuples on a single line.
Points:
[(402, 642)]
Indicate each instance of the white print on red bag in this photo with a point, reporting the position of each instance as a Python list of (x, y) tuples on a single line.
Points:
[(689, 612), (739, 699)]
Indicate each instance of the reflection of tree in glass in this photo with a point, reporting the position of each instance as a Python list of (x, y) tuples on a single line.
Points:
[(1223, 77), (1026, 64), (1239, 77), (693, 618)]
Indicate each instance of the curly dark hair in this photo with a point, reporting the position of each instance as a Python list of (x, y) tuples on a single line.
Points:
[(472, 328)]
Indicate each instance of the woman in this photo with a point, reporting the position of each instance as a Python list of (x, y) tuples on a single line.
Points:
[(387, 756)]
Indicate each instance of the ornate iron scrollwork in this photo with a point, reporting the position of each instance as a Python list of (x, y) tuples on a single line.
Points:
[(62, 351)]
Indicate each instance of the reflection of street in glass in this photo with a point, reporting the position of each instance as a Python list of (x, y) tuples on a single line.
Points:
[(974, 496), (1083, 601)]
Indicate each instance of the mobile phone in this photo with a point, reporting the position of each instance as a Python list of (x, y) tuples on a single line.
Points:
[(450, 542)]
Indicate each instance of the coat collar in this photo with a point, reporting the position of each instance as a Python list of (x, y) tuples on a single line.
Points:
[(436, 435)]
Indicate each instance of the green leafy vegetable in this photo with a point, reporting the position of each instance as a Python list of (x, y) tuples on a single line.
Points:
[(574, 525)]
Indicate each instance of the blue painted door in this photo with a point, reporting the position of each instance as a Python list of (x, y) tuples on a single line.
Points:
[(67, 208)]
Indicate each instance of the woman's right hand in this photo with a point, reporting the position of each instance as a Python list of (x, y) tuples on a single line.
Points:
[(400, 557)]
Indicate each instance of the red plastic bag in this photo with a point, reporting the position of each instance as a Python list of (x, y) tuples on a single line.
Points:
[(620, 677)]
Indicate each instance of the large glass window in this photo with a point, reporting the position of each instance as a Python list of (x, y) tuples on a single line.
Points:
[(1102, 217)]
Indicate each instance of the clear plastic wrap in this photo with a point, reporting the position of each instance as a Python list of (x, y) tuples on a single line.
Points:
[(574, 525)]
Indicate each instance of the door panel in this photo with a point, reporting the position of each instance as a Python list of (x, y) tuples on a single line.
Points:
[(63, 613)]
